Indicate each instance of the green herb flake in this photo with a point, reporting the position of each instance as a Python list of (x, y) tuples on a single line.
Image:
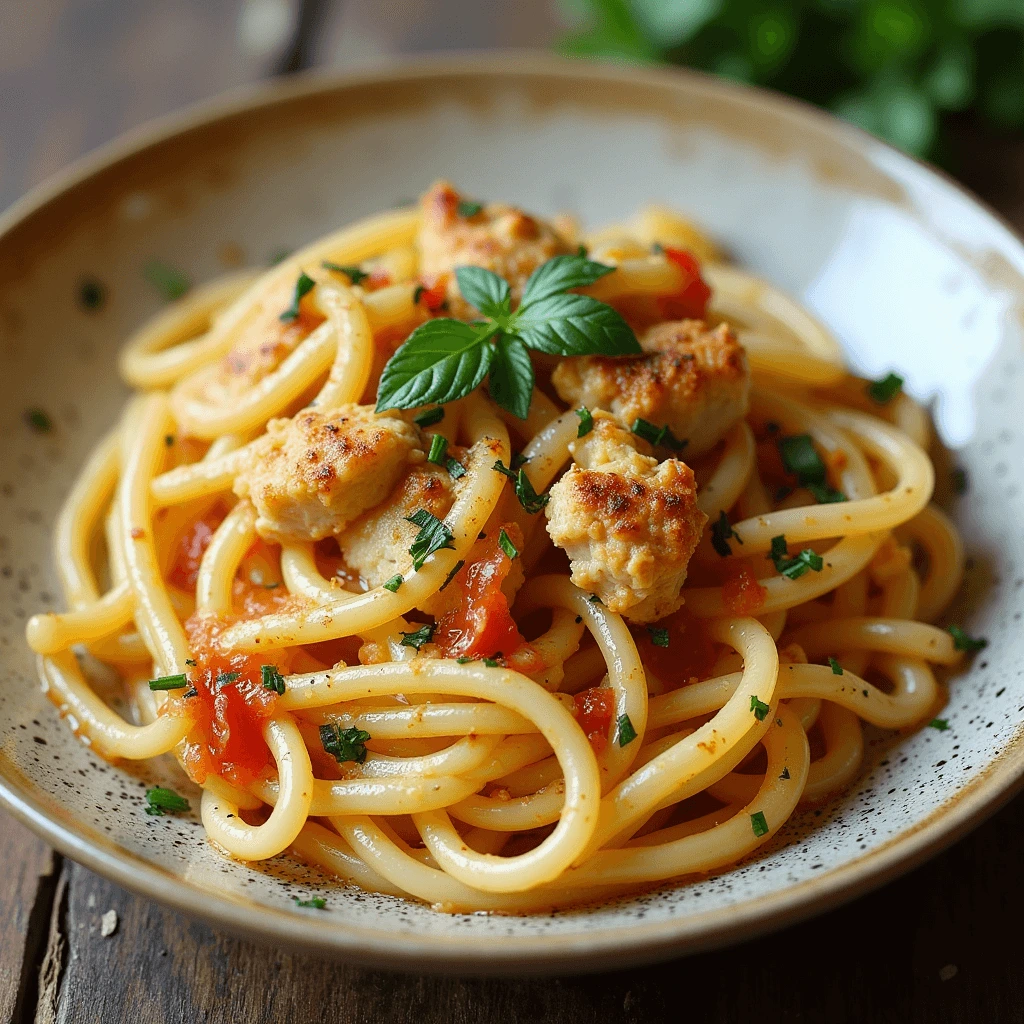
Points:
[(353, 273), (316, 903), (595, 599), (438, 447), (658, 436), (453, 572), (794, 568), (837, 669), (170, 282), (492, 663), (825, 495), (160, 800), (169, 440), (939, 723), (586, 421), (463, 660), (759, 707), (189, 661), (468, 208), (800, 457), (963, 641), (455, 468), (758, 824), (303, 286), (394, 583), (785, 776), (429, 417), (344, 744), (176, 682), (721, 533), (433, 536), (625, 731), (38, 420), (272, 679), (506, 545), (659, 637), (226, 679), (91, 294), (885, 390), (531, 501), (422, 636)]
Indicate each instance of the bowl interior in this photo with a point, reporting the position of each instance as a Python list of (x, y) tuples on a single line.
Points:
[(910, 272)]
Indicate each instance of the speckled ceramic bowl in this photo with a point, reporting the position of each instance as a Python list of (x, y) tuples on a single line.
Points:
[(911, 272)]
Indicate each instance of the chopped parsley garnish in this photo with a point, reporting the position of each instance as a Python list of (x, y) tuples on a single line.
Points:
[(519, 459), (626, 732), (464, 660), (886, 389), (344, 744), (595, 599), (438, 447), (433, 536), (454, 467), (468, 208), (721, 532), (422, 636), (453, 573), (939, 723), (837, 669), (800, 457), (176, 682), (785, 775), (189, 661), (429, 417), (160, 800), (959, 478), (353, 273), (492, 662), (758, 824), (394, 583), (963, 641), (91, 294), (317, 902), (506, 544), (528, 497), (658, 436), (759, 707), (303, 286), (794, 568), (38, 420), (225, 679), (272, 679), (586, 421), (445, 359), (168, 280), (169, 440), (659, 637)]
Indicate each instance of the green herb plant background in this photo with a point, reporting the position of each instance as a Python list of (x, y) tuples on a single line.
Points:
[(897, 68)]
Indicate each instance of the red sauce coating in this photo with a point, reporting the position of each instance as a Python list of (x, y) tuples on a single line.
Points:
[(192, 545), (594, 710), (742, 594), (689, 657), (691, 302)]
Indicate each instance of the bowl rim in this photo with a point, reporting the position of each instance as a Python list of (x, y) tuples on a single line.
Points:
[(610, 946)]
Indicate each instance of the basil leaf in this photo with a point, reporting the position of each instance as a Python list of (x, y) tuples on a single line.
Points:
[(511, 379), (442, 360), (485, 290), (560, 273), (574, 325)]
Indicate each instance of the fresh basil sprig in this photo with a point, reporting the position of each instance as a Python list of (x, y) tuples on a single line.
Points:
[(446, 359)]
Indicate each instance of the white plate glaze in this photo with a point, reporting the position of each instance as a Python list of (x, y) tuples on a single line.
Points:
[(911, 272)]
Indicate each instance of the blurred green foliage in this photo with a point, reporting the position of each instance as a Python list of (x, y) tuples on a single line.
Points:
[(894, 67)]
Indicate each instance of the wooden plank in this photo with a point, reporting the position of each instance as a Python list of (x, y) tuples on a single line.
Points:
[(25, 897), (882, 958)]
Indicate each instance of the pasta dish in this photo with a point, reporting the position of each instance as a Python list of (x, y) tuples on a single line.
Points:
[(489, 563)]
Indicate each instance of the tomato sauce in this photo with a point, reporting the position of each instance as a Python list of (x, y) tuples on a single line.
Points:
[(594, 710), (192, 545), (742, 594), (691, 301), (689, 657), (479, 623)]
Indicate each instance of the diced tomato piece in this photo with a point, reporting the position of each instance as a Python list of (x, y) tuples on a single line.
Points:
[(435, 296), (479, 623), (691, 301), (192, 545), (594, 710), (742, 594), (376, 279)]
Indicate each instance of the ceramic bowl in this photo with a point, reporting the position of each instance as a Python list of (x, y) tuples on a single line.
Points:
[(911, 272)]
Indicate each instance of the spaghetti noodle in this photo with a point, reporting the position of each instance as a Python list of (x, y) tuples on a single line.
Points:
[(413, 647)]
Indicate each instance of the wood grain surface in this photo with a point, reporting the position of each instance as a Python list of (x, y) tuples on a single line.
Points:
[(942, 945)]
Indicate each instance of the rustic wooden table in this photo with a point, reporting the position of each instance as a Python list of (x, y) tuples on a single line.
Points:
[(943, 944)]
